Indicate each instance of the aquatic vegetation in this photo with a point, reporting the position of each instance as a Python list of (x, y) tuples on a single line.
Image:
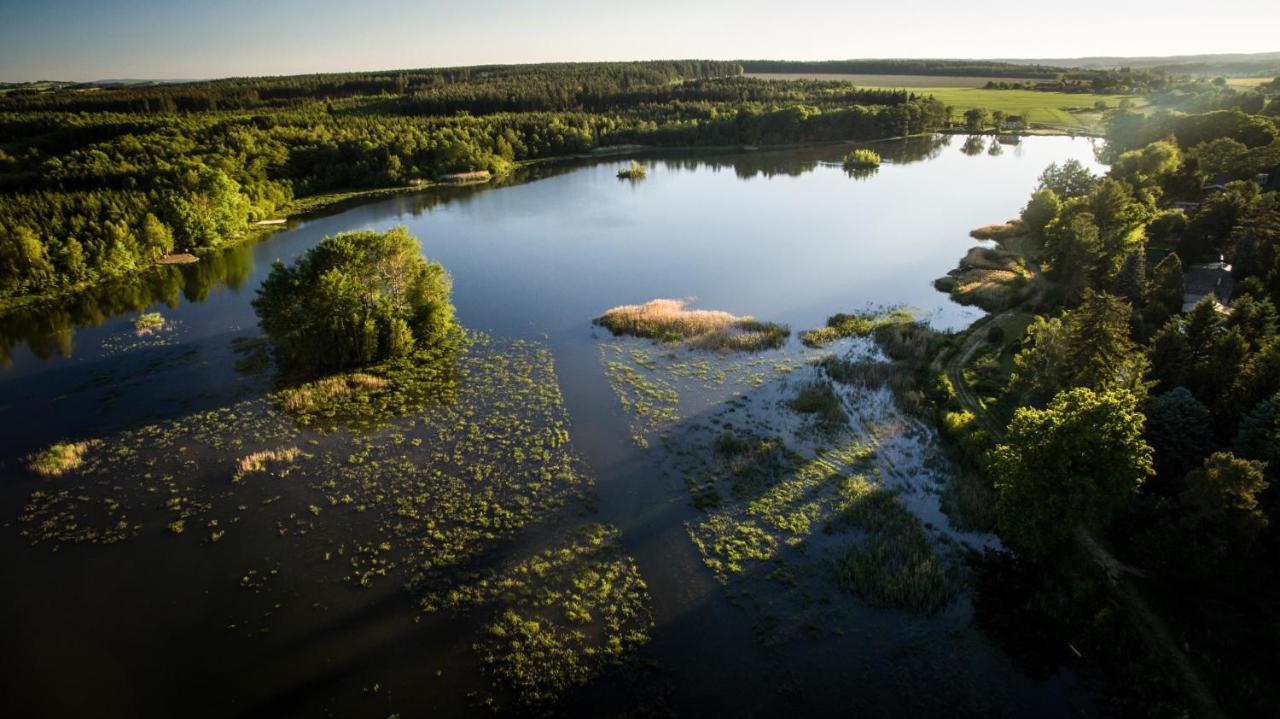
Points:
[(727, 543), (262, 460), (819, 399), (856, 324), (148, 323), (634, 171), (896, 564), (60, 458), (377, 393), (651, 401), (559, 617), (861, 159), (671, 321)]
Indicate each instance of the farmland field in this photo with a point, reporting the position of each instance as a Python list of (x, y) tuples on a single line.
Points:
[(910, 81), (1052, 109)]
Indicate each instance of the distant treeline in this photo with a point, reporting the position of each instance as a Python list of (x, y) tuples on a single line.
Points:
[(542, 87), (983, 68), (88, 192)]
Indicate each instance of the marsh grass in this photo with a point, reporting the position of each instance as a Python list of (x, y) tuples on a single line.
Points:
[(266, 459), (60, 458), (148, 323), (895, 565), (818, 398), (854, 324), (312, 396), (667, 320), (373, 396)]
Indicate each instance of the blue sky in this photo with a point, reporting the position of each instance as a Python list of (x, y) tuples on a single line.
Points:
[(83, 40)]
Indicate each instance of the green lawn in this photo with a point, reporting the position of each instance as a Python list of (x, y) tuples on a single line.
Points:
[(964, 93), (1045, 108), (895, 81)]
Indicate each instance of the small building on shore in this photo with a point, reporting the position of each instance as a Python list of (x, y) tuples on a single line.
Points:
[(1209, 278)]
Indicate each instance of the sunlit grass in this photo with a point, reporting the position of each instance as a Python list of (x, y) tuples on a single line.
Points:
[(59, 458), (669, 320)]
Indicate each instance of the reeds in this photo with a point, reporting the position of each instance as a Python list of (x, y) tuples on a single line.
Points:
[(312, 396), (668, 320), (59, 458), (259, 461)]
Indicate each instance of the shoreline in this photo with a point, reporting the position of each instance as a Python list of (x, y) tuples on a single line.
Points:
[(316, 205)]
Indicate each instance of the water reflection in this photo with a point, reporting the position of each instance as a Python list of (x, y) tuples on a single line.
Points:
[(974, 145), (48, 329), (510, 251)]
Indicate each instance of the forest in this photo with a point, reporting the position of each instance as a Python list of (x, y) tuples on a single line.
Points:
[(1135, 415), (101, 182)]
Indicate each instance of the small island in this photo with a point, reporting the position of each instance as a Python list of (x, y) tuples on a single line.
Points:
[(862, 159), (635, 171)]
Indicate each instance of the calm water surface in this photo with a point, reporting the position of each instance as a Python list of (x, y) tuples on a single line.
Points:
[(781, 235)]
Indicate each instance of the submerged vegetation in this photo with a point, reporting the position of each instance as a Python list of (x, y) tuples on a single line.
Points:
[(672, 322)]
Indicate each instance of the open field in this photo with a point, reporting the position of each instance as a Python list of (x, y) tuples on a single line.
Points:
[(963, 93), (1247, 82), (904, 81)]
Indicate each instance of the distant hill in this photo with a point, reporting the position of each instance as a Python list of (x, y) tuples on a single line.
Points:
[(1261, 63)]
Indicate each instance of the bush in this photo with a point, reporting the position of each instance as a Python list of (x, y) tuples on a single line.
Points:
[(354, 299), (995, 334), (861, 159)]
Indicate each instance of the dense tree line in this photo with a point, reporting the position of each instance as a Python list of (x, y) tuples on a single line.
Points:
[(540, 87), (1132, 420), (89, 195), (983, 68)]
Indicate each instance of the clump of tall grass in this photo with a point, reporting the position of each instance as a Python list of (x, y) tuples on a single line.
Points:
[(147, 323), (313, 396), (635, 171), (668, 320), (819, 399), (854, 324), (59, 458), (861, 159), (261, 460), (895, 565)]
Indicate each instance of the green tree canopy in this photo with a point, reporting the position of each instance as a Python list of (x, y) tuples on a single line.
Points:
[(356, 298), (1074, 463)]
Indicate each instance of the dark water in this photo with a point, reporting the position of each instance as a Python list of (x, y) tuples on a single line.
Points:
[(782, 235)]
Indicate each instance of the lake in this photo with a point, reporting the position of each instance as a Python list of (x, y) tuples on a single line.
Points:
[(421, 565)]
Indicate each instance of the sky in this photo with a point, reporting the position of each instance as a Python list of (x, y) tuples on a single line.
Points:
[(185, 39)]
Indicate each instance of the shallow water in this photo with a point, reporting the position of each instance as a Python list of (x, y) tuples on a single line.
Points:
[(140, 627)]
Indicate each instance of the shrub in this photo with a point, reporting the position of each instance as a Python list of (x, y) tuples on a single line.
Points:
[(354, 299), (861, 159)]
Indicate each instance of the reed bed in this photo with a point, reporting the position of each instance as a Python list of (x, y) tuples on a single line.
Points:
[(312, 396), (59, 458), (259, 461), (667, 320)]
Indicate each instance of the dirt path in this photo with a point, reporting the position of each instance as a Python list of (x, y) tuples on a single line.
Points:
[(954, 369)]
